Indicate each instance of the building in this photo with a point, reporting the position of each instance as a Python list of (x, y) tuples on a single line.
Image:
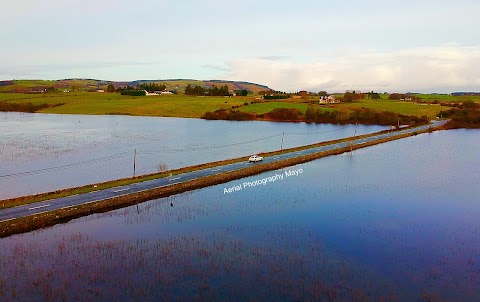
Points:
[(150, 93), (164, 91), (328, 100), (303, 93)]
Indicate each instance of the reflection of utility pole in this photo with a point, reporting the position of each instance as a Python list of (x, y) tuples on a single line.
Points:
[(351, 142), (281, 146), (134, 161)]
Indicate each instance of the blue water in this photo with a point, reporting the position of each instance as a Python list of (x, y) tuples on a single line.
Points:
[(61, 151), (397, 221)]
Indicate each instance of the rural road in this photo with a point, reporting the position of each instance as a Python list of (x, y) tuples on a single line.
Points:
[(75, 200)]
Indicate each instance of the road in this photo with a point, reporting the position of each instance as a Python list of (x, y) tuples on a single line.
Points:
[(75, 200)]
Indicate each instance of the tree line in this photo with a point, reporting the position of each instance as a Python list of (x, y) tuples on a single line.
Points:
[(24, 107), (466, 115), (362, 116), (151, 87), (312, 115), (212, 91)]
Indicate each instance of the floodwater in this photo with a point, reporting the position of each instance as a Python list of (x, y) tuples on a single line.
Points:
[(392, 222), (47, 152)]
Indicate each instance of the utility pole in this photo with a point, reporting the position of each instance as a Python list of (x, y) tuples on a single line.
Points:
[(134, 161), (281, 146), (351, 142)]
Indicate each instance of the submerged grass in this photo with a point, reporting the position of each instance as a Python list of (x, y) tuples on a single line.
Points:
[(187, 268)]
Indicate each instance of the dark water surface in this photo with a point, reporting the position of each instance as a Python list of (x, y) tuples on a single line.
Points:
[(46, 152), (393, 222)]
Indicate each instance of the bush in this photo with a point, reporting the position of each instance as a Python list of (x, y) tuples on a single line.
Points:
[(363, 116), (276, 97), (133, 92), (231, 115), (462, 118), (24, 107), (162, 167), (285, 114)]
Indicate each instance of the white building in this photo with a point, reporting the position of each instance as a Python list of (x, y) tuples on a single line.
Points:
[(149, 93), (328, 100)]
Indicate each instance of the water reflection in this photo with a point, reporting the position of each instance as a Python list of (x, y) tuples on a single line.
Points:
[(396, 221), (73, 150)]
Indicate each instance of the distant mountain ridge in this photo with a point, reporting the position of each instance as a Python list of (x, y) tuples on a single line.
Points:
[(29, 86)]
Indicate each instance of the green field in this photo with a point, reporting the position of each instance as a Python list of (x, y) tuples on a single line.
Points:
[(262, 108), (195, 107), (448, 98), (401, 107), (114, 103)]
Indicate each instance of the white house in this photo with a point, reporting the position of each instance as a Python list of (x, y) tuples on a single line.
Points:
[(164, 91), (149, 93), (328, 100)]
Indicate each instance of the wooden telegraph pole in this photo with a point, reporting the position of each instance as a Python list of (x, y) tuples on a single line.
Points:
[(351, 142), (281, 146), (134, 161)]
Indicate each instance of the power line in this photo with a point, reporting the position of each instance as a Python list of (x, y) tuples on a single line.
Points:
[(208, 147), (186, 149), (64, 167), (317, 132)]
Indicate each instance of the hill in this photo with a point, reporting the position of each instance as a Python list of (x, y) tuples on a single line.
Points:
[(32, 86)]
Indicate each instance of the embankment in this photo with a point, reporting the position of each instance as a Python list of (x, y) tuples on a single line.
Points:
[(47, 219)]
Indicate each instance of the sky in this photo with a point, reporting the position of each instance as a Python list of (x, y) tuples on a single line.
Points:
[(384, 46)]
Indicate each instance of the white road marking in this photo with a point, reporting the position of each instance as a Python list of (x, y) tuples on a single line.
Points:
[(39, 207), (171, 179), (216, 170), (121, 190), (7, 219)]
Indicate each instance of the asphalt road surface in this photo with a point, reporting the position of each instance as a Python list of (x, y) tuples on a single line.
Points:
[(75, 200)]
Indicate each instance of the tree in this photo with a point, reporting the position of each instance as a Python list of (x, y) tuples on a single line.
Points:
[(322, 93), (74, 87), (373, 95), (242, 92), (188, 90), (110, 88), (352, 96), (151, 87), (310, 114)]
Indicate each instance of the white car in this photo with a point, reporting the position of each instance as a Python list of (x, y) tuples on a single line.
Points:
[(255, 158)]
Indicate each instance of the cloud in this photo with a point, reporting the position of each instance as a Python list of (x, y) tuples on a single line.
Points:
[(216, 67), (67, 70), (275, 58), (435, 69)]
